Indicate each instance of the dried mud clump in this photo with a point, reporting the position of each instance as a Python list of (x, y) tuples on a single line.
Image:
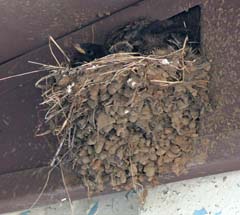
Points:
[(126, 118)]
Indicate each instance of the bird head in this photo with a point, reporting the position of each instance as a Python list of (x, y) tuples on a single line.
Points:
[(86, 52)]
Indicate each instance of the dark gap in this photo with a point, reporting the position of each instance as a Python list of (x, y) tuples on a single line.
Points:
[(144, 36)]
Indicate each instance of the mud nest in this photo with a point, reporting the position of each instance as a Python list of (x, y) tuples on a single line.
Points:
[(126, 118)]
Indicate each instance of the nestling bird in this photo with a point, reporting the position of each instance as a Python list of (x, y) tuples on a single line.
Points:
[(86, 52), (144, 36)]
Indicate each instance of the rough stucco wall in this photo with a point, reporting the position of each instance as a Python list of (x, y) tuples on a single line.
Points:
[(220, 39)]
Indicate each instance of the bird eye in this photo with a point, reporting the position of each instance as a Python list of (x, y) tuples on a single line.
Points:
[(90, 52)]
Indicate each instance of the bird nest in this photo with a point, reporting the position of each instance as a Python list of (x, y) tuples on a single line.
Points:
[(124, 119)]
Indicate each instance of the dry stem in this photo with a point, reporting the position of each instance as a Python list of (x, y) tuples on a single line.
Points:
[(51, 39), (43, 189), (66, 189)]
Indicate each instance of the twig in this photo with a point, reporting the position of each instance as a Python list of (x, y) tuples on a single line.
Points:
[(67, 119), (166, 82), (51, 39), (179, 82), (45, 65), (52, 53), (37, 84), (48, 117), (73, 136), (43, 133), (22, 74), (66, 189), (133, 180), (182, 57), (63, 125), (93, 118), (57, 152), (88, 188), (43, 189), (69, 137)]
